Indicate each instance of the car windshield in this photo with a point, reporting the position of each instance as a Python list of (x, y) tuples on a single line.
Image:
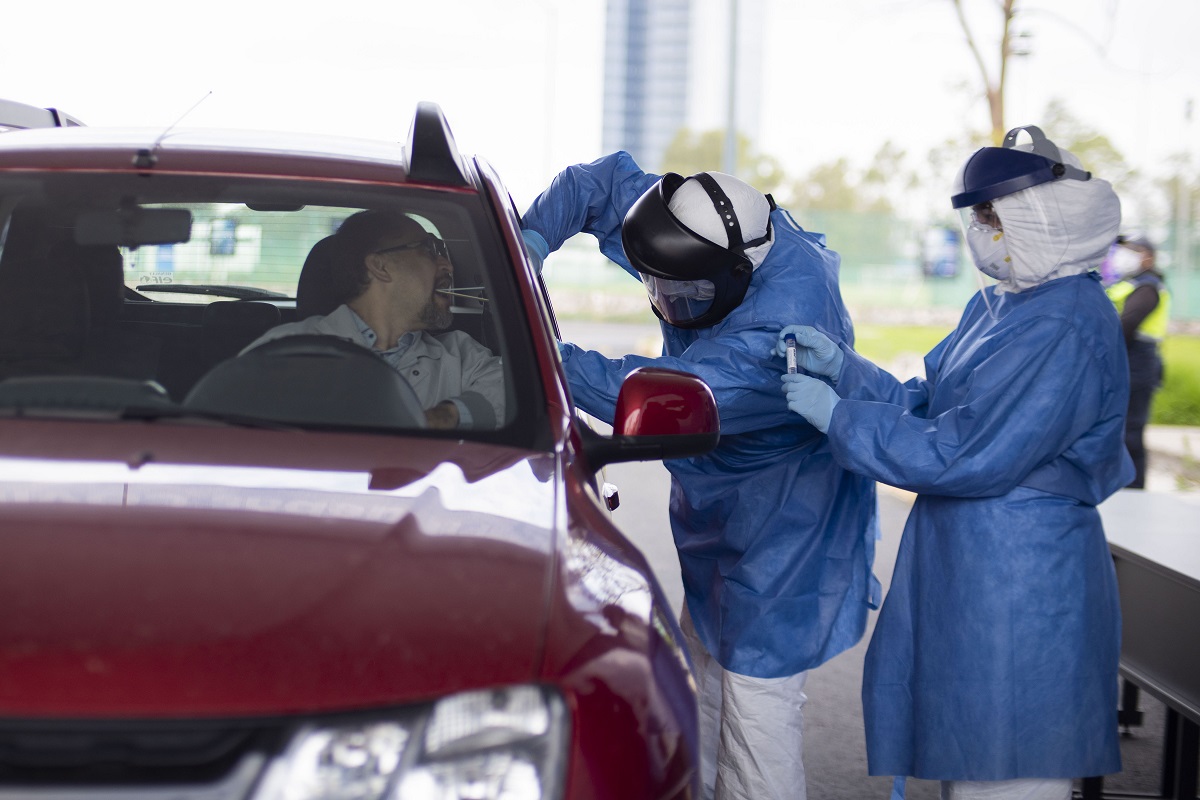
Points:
[(134, 296)]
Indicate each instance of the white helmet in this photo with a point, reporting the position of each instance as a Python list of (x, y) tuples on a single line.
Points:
[(696, 242)]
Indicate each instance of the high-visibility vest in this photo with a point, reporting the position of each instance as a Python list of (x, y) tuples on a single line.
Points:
[(1154, 326)]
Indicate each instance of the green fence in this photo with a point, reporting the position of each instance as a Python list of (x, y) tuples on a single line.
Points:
[(889, 272)]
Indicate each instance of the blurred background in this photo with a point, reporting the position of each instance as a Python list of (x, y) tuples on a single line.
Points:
[(854, 114)]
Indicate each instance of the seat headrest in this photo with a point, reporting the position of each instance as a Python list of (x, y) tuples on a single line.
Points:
[(241, 314), (44, 297), (315, 294)]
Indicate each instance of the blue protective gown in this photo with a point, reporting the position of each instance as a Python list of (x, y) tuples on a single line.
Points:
[(995, 653), (775, 540)]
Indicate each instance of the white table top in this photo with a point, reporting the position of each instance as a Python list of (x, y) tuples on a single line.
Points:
[(1157, 527)]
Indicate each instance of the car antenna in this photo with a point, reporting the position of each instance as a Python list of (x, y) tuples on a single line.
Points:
[(145, 158)]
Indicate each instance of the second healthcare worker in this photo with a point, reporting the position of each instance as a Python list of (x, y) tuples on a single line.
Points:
[(775, 540), (993, 666)]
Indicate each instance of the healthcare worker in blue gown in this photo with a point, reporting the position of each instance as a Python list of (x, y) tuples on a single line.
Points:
[(993, 665), (775, 540)]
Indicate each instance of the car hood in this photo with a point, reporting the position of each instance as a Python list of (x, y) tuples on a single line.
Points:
[(168, 590)]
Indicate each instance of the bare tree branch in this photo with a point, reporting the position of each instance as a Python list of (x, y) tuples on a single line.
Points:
[(993, 91)]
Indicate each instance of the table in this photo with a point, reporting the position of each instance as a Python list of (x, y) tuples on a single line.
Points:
[(1155, 541)]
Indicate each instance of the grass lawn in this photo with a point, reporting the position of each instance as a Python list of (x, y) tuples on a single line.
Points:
[(1177, 402), (883, 344)]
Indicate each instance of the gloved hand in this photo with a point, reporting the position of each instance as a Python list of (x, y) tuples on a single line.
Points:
[(811, 399), (538, 249), (815, 351)]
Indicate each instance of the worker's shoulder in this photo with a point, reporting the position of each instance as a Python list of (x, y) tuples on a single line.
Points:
[(1076, 307)]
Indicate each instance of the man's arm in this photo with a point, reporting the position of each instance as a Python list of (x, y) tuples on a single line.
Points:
[(481, 387), (1138, 305)]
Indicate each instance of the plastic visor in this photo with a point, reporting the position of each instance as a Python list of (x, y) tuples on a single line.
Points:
[(680, 303), (1035, 233)]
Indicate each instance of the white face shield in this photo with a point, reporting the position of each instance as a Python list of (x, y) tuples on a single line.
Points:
[(1048, 231)]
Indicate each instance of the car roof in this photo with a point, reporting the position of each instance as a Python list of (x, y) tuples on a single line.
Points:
[(429, 157)]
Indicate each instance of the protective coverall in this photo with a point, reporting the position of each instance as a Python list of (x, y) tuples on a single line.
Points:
[(775, 541), (995, 654)]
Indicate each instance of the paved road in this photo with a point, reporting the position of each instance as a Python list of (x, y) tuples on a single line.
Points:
[(835, 751), (835, 755)]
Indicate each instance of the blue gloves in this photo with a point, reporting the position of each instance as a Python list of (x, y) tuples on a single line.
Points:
[(810, 398), (815, 352), (537, 247)]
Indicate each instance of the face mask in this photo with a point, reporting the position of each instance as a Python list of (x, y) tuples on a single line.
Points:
[(1126, 262), (989, 251)]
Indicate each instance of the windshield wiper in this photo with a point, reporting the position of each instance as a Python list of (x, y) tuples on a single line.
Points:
[(236, 292)]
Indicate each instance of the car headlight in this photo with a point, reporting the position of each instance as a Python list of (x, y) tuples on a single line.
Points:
[(500, 744)]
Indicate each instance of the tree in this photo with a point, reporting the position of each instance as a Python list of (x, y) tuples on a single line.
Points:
[(1093, 148), (690, 153), (838, 186), (886, 178), (993, 85), (826, 187)]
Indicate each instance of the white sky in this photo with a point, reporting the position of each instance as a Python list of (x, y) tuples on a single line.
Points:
[(521, 82)]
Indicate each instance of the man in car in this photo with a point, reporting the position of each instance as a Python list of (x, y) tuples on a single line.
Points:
[(775, 540), (396, 276)]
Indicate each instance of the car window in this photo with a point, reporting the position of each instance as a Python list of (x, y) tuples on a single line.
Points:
[(147, 286), (231, 244), (236, 247)]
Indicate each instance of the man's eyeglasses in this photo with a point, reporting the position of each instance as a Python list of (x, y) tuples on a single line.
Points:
[(432, 246)]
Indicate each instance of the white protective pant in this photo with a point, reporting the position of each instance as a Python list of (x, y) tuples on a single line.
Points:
[(1019, 789), (751, 733)]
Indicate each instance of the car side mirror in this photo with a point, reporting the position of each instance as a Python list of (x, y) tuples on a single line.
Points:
[(660, 413)]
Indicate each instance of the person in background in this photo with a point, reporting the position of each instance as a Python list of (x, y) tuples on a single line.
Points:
[(993, 666), (775, 540), (1143, 302), (395, 277)]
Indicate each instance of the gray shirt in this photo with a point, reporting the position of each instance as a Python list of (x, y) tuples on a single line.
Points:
[(442, 366)]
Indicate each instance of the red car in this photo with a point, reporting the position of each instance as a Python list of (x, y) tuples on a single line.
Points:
[(232, 573)]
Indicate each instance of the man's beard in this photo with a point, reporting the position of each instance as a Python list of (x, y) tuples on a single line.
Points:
[(436, 318)]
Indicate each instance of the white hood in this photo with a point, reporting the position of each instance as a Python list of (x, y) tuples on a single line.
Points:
[(1056, 229)]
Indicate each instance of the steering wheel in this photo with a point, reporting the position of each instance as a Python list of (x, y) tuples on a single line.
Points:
[(310, 378)]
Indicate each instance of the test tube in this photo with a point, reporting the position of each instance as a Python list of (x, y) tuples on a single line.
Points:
[(790, 341)]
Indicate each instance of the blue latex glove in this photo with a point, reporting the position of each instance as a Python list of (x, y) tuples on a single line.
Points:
[(811, 399), (536, 245), (815, 352)]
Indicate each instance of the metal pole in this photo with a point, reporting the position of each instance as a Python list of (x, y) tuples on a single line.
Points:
[(729, 156), (1183, 219)]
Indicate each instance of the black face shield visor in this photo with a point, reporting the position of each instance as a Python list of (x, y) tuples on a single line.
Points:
[(660, 247)]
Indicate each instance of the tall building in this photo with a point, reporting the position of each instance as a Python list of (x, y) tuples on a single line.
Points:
[(667, 67), (646, 54)]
